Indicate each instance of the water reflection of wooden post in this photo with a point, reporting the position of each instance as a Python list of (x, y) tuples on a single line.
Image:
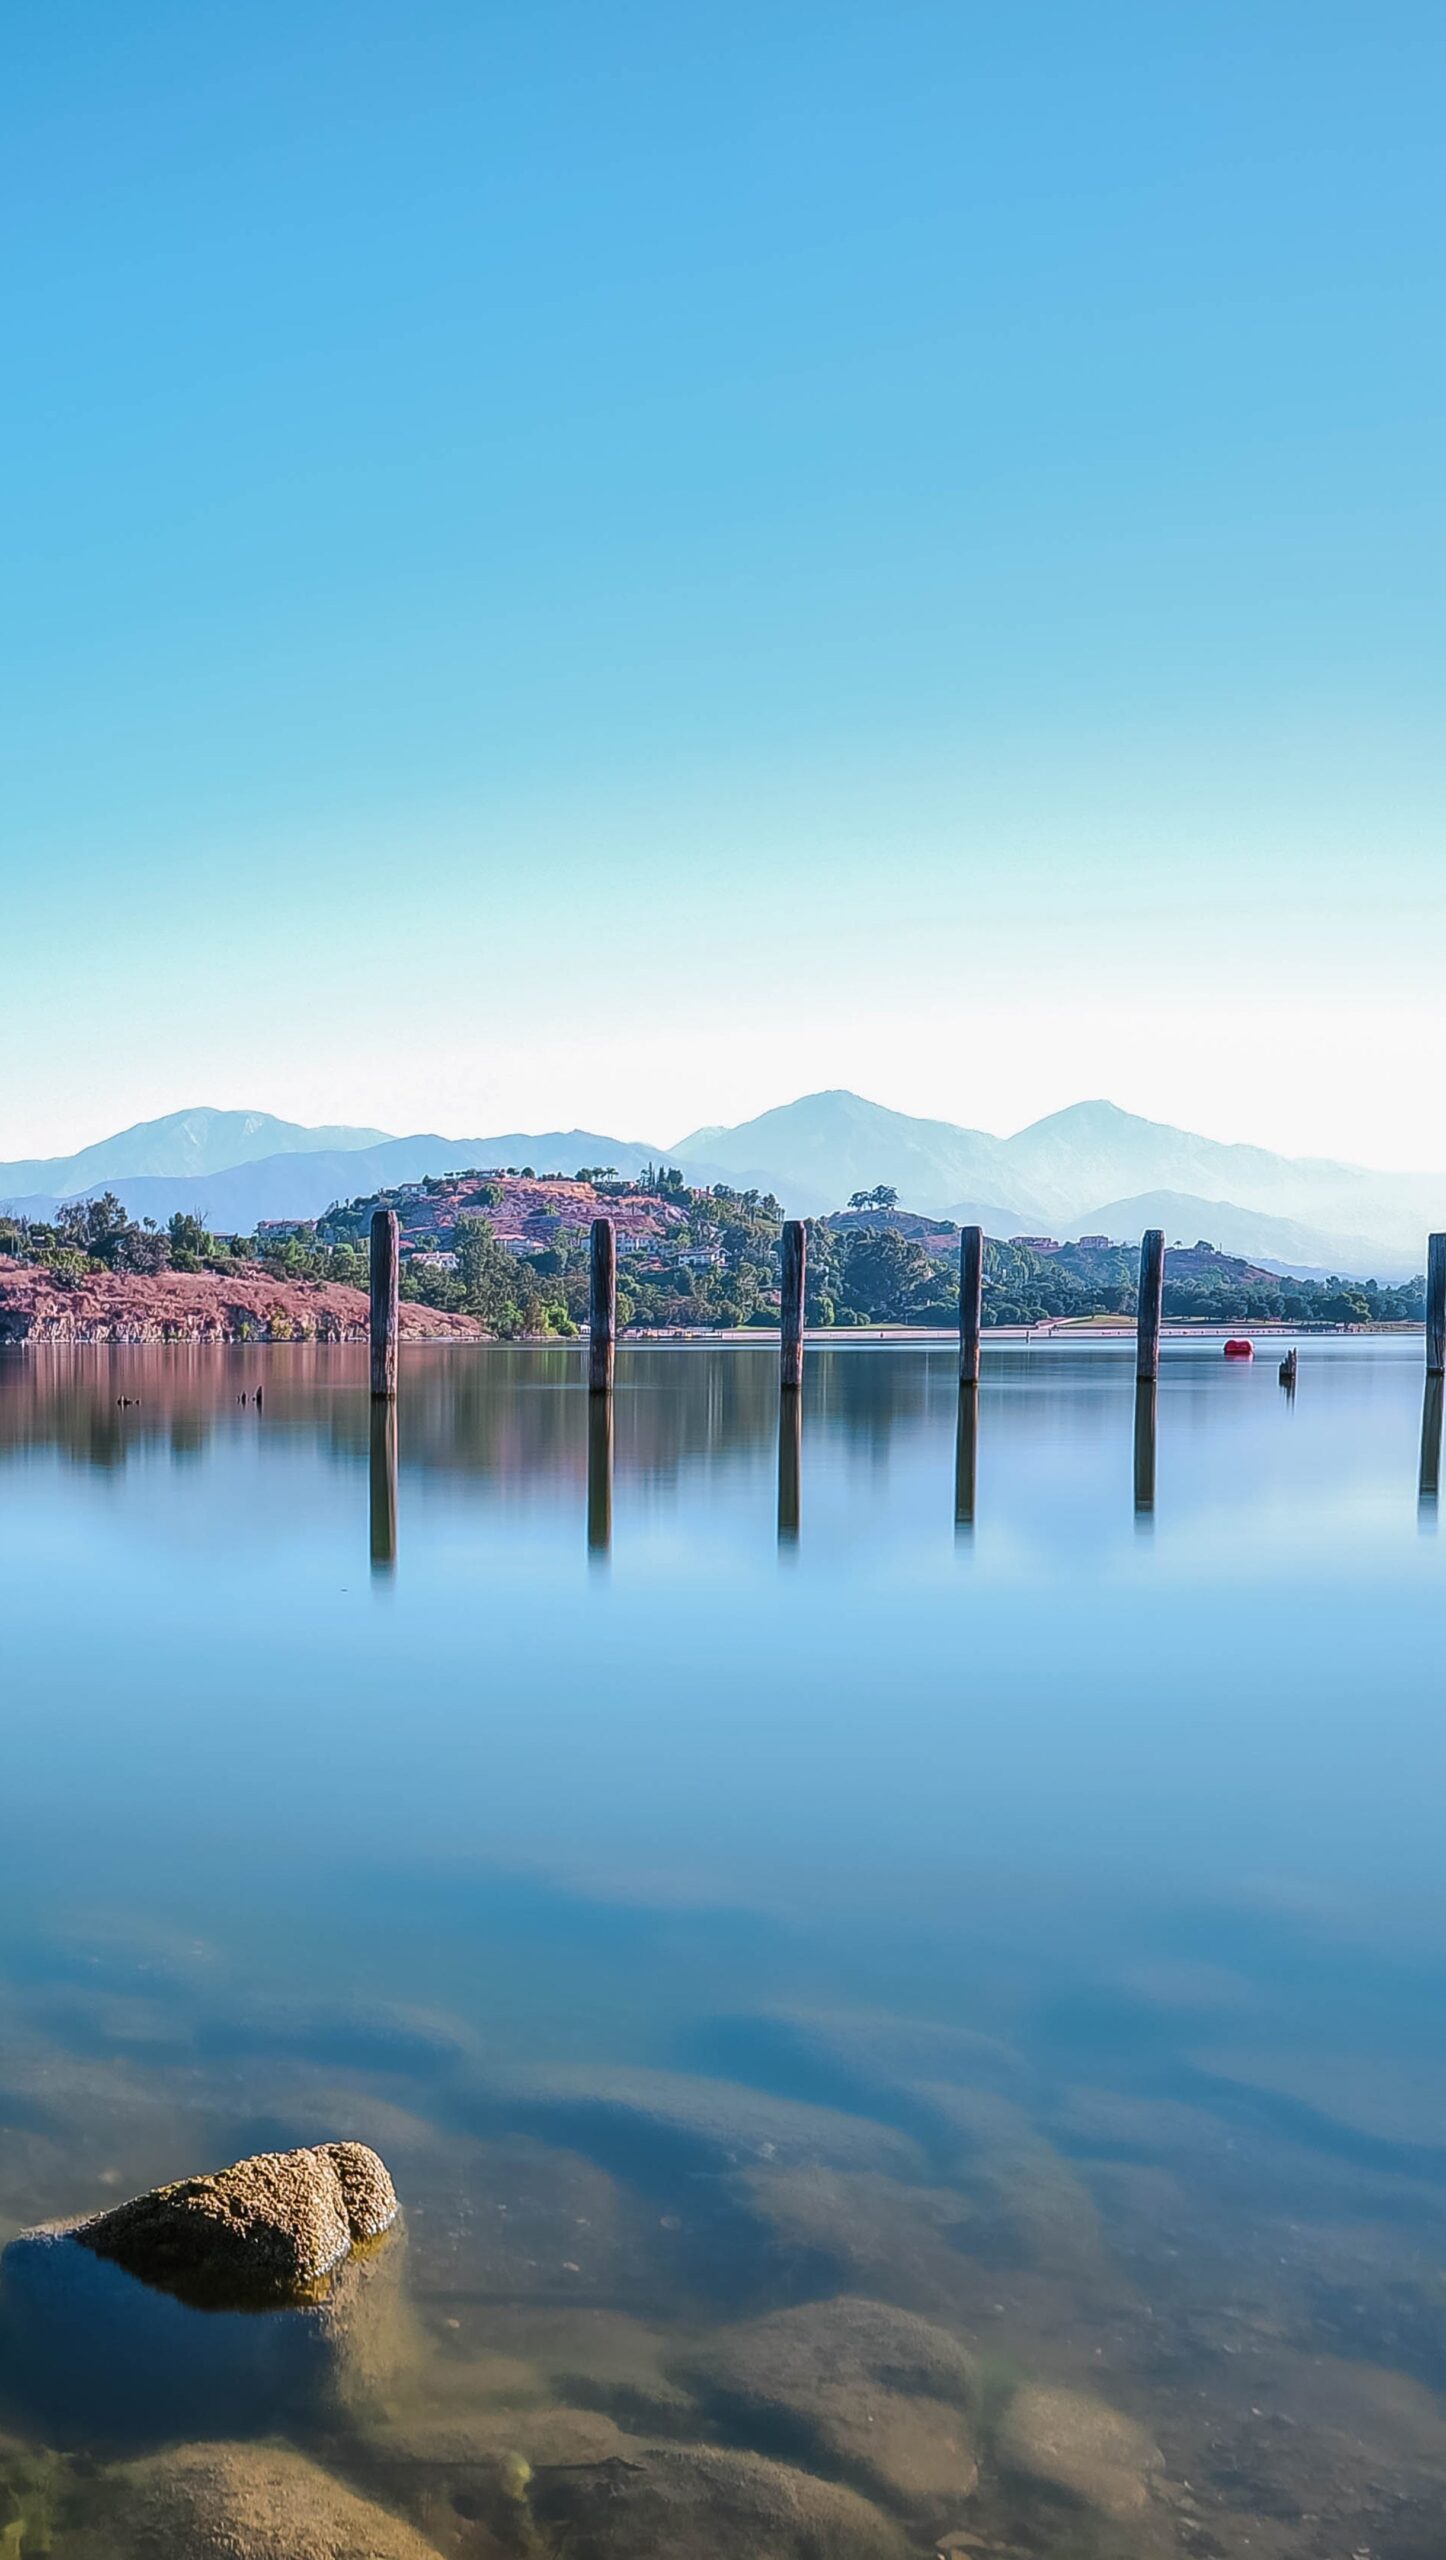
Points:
[(1431, 1438), (966, 1455), (600, 1475), (790, 1467), (384, 1484), (386, 1318), (971, 1302), (790, 1311), (602, 1308), (1145, 1395), (1151, 1297), (1436, 1306)]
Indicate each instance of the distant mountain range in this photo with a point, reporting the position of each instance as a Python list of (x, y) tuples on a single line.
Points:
[(304, 1180), (1090, 1169), (184, 1142)]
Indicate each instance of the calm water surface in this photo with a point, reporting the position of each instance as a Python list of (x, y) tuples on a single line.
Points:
[(722, 1874)]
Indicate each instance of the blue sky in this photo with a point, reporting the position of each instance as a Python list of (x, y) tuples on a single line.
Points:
[(616, 562)]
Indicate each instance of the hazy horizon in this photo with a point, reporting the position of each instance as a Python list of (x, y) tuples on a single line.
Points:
[(646, 1132), (648, 1135)]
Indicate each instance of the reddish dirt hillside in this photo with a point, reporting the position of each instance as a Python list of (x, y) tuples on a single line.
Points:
[(200, 1306)]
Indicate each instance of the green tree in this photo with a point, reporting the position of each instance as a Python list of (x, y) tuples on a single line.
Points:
[(190, 1241), (885, 1276), (94, 1227), (67, 1264), (490, 1287)]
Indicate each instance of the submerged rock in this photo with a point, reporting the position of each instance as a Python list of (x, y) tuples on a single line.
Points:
[(643, 2122), (234, 2502), (873, 2395), (394, 2036), (1028, 2207), (870, 2062), (95, 2356), (266, 2228), (696, 2502), (868, 2234), (590, 2358), (1071, 2442), (443, 2459)]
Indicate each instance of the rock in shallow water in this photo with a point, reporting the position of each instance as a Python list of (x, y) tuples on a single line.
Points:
[(873, 2395), (233, 2502), (96, 2356), (266, 2228), (1073, 2443), (697, 2502)]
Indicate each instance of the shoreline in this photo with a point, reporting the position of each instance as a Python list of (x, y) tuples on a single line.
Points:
[(463, 1333)]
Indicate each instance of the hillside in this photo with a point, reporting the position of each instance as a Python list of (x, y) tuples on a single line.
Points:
[(198, 1306), (1281, 1241), (525, 1213)]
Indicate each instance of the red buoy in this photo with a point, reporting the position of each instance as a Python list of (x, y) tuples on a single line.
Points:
[(1237, 1348)]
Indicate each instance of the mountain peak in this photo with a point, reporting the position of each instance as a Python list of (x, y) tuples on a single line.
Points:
[(1099, 1114)]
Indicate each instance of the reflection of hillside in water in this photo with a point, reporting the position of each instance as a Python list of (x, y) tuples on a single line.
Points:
[(504, 1411)]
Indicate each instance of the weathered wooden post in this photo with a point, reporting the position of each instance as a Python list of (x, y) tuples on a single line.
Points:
[(790, 1312), (1146, 1393), (600, 1475), (1152, 1291), (971, 1302), (384, 1484), (790, 1468), (966, 1455), (386, 1319), (1436, 1306), (602, 1309)]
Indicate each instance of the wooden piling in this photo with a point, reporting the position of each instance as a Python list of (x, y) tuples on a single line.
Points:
[(1436, 1306), (602, 1310), (971, 1302), (1152, 1291), (599, 1475), (795, 1272), (384, 1485), (386, 1319)]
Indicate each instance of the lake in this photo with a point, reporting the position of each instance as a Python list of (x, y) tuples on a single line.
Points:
[(735, 1876)]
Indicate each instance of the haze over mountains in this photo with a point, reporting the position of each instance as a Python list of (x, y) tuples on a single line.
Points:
[(1091, 1168), (184, 1142)]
